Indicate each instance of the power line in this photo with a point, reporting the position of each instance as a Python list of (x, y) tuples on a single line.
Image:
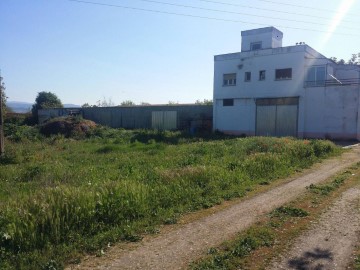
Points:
[(272, 10), (307, 7), (201, 17), (238, 13)]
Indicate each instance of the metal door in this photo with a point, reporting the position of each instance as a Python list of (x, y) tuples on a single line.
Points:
[(277, 117), (266, 120), (164, 120), (286, 120)]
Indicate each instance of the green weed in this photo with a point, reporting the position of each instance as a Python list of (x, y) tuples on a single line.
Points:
[(289, 211), (327, 188), (226, 258), (60, 195)]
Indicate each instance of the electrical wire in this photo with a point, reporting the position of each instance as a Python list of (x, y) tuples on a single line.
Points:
[(201, 17), (272, 10), (239, 13), (307, 7)]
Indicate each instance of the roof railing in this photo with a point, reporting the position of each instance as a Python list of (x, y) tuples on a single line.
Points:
[(333, 82)]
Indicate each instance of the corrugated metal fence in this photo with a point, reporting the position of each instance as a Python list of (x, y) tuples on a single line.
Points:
[(182, 117)]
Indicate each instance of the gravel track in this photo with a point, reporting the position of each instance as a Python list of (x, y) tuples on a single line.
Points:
[(330, 242), (176, 248)]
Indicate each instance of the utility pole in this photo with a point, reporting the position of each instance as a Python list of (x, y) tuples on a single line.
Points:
[(2, 141)]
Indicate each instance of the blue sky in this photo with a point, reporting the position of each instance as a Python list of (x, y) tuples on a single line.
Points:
[(86, 52)]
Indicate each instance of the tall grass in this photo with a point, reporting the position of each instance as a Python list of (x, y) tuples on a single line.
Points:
[(61, 196)]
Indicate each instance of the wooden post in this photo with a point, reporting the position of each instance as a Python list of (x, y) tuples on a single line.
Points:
[(2, 141)]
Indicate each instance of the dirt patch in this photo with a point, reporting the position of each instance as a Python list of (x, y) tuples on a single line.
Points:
[(330, 242), (176, 248), (67, 126)]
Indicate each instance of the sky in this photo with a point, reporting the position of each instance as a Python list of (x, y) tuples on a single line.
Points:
[(150, 51)]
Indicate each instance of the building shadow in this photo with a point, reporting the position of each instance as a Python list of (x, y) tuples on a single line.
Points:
[(313, 260)]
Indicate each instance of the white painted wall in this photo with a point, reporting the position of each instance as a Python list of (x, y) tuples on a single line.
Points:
[(270, 37), (331, 111), (237, 119)]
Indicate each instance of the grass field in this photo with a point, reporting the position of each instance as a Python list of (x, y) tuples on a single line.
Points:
[(61, 197)]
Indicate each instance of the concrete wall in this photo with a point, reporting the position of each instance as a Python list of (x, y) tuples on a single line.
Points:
[(254, 63), (238, 119), (270, 37), (136, 117), (331, 112), (323, 111), (241, 118)]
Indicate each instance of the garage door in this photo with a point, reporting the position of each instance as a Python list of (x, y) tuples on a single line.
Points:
[(277, 117)]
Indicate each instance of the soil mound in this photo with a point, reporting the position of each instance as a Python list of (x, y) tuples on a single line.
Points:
[(69, 126)]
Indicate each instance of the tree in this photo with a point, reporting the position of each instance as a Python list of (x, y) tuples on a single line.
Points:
[(173, 102), (86, 105), (341, 61), (45, 100), (2, 113), (3, 96), (354, 60), (204, 102), (105, 103), (127, 103)]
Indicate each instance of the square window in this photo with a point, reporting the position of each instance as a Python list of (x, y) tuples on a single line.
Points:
[(256, 46), (283, 74), (228, 102), (316, 76), (229, 79), (247, 76), (262, 75)]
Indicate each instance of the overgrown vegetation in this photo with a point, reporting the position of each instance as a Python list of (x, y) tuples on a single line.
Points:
[(61, 197), (326, 189), (252, 249)]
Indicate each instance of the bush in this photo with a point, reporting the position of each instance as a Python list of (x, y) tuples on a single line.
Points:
[(20, 133)]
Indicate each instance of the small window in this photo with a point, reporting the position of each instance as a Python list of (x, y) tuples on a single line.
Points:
[(283, 74), (228, 102), (256, 46), (247, 76), (262, 75), (229, 79), (316, 76)]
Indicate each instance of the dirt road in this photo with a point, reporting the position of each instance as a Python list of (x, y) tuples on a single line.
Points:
[(176, 248), (329, 243)]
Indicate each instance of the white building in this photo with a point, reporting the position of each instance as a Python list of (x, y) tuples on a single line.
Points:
[(270, 90)]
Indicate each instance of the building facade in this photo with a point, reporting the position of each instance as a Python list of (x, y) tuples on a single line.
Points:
[(271, 90)]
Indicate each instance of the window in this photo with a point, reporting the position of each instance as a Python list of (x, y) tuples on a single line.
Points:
[(316, 76), (256, 46), (262, 75), (229, 79), (228, 102), (247, 76), (283, 74)]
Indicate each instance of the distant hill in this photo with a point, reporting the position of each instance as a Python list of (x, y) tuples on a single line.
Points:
[(19, 107), (24, 107)]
